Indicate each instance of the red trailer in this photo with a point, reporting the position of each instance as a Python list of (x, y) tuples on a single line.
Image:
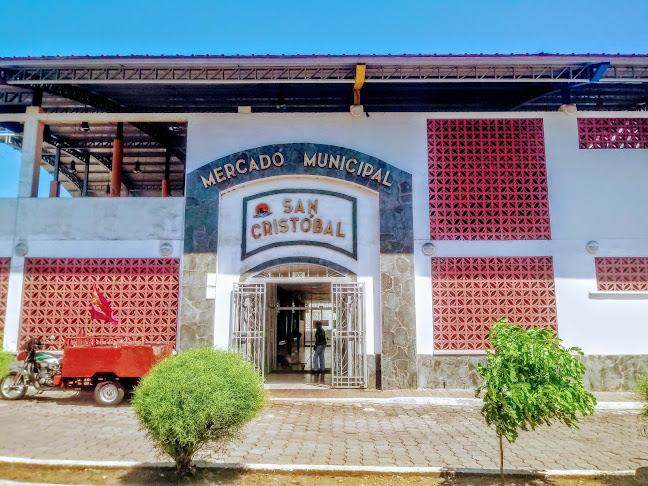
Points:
[(109, 370)]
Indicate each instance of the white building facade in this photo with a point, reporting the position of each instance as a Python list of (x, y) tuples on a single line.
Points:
[(406, 234)]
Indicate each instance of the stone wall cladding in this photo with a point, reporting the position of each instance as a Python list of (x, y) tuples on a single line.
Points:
[(398, 316), (196, 312), (603, 372), (453, 372), (614, 372), (396, 249)]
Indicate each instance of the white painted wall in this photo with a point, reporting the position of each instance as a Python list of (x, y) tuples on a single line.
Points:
[(593, 194)]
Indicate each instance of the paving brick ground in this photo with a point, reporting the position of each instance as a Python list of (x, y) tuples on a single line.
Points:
[(329, 433)]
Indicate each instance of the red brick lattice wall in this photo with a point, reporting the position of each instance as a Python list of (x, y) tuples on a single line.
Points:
[(613, 133), (5, 264), (470, 293), (622, 274), (487, 180), (142, 292)]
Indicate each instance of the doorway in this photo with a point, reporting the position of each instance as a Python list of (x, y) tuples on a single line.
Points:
[(275, 316), (296, 312)]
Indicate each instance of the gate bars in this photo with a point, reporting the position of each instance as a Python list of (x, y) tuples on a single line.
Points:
[(248, 322), (349, 353)]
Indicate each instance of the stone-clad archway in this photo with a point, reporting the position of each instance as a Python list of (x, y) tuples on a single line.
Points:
[(397, 362)]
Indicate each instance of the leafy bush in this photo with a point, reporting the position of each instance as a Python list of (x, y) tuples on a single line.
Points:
[(531, 379), (5, 361), (197, 397), (641, 389)]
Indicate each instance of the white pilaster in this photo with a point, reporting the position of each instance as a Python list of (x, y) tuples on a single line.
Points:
[(31, 153), (14, 301)]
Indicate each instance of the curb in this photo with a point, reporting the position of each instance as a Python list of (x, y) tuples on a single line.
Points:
[(307, 468), (444, 402)]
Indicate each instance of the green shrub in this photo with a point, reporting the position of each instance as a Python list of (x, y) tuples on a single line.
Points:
[(197, 397), (5, 361), (531, 379), (641, 389)]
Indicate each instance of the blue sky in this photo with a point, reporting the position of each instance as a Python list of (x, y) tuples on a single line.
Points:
[(91, 27)]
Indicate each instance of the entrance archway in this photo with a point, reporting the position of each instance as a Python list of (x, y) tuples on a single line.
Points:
[(300, 300), (396, 367)]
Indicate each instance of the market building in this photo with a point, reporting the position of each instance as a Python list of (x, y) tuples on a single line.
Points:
[(405, 203)]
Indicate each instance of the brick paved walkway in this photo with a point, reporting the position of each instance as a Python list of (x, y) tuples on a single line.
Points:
[(329, 433)]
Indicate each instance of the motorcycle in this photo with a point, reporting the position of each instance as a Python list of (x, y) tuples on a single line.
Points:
[(35, 368)]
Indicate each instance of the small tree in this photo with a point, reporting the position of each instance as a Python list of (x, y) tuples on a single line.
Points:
[(531, 379), (197, 397), (641, 389)]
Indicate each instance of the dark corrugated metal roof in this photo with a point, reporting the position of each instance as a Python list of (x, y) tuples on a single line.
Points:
[(316, 56)]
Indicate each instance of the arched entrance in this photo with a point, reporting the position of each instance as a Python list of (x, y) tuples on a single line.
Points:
[(275, 313), (396, 365)]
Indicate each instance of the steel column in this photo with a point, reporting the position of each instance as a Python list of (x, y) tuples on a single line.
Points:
[(118, 158), (86, 176), (166, 192), (55, 185)]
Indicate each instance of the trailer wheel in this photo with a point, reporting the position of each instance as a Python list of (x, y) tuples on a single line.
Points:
[(10, 392), (109, 393)]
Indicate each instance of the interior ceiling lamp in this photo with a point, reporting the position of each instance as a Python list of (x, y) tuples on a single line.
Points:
[(107, 188), (174, 127), (357, 109), (73, 167), (281, 102), (138, 168), (85, 127)]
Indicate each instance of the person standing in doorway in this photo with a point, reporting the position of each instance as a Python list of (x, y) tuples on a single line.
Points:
[(320, 347)]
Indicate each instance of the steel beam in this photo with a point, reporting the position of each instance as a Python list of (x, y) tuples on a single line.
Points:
[(140, 188), (15, 142), (108, 144), (15, 98), (89, 98), (66, 146), (329, 73)]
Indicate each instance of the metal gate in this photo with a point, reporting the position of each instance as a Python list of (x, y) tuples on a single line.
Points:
[(248, 322), (349, 353)]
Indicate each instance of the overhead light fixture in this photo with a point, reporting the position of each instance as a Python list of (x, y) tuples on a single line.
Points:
[(85, 127), (107, 188), (174, 127), (137, 169), (569, 109), (73, 167), (281, 102)]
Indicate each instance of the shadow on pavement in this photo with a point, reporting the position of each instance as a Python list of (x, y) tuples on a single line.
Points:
[(79, 398)]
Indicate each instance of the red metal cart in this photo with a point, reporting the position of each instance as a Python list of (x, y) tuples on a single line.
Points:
[(109, 369)]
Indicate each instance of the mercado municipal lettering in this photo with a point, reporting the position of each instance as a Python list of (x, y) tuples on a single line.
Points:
[(404, 226), (326, 160)]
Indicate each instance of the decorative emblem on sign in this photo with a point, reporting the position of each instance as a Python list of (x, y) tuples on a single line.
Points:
[(262, 210), (306, 217)]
